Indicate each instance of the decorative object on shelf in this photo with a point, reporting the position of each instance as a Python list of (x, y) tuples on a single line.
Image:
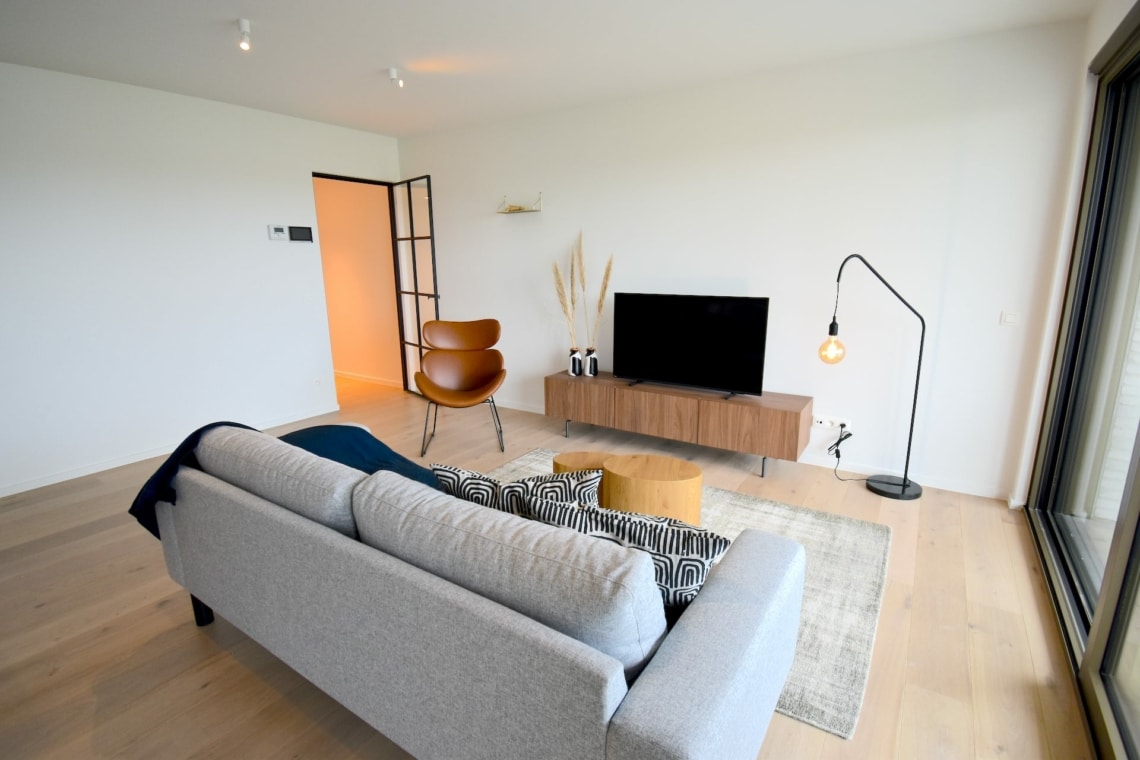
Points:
[(515, 208), (590, 363), (592, 333), (832, 352), (575, 367), (568, 300)]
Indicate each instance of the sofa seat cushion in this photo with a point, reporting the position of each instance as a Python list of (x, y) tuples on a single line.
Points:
[(298, 480), (599, 593), (682, 554)]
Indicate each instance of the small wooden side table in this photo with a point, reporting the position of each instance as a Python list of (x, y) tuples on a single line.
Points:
[(653, 484)]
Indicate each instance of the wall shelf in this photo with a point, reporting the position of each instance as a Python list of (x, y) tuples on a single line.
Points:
[(514, 208)]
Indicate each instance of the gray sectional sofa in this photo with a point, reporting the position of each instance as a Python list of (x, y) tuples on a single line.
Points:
[(462, 632)]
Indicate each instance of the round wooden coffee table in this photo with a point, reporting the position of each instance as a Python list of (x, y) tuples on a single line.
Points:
[(654, 485), (572, 461)]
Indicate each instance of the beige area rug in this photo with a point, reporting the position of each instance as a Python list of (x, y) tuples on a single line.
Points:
[(843, 591)]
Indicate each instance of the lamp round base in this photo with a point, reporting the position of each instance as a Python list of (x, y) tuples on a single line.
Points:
[(894, 487)]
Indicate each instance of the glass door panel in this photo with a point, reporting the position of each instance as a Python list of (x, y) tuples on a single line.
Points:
[(1086, 492), (1102, 411), (407, 266), (413, 247), (1122, 675)]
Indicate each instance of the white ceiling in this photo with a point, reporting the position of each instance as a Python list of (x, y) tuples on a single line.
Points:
[(468, 61)]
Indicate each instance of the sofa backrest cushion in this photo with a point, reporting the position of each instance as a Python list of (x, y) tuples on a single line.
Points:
[(601, 594), (305, 483)]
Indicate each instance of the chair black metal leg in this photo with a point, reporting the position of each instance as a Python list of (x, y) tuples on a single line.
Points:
[(498, 423), (427, 438)]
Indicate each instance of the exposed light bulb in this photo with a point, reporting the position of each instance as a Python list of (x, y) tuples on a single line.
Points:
[(244, 40), (831, 351)]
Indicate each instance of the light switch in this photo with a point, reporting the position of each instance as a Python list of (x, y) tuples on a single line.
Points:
[(1010, 318)]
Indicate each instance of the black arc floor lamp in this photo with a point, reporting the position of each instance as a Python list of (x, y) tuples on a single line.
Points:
[(832, 352)]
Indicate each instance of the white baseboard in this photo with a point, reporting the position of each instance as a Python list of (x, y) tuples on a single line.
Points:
[(397, 383)]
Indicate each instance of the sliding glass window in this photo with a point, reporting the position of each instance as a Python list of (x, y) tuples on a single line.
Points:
[(1085, 498)]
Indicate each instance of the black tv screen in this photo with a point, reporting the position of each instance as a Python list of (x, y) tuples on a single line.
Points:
[(714, 342)]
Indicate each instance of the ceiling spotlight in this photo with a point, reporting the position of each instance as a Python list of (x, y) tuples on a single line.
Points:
[(244, 39), (394, 77)]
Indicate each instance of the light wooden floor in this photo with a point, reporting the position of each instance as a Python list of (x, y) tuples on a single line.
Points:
[(99, 655)]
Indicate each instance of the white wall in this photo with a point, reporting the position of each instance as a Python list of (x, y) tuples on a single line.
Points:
[(140, 296), (945, 165)]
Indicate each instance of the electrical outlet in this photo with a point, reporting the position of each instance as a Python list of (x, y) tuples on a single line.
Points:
[(832, 422)]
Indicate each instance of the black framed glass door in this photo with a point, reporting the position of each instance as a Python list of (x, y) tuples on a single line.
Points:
[(1085, 498), (417, 287)]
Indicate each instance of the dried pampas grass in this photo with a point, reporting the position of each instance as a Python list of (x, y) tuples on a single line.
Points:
[(567, 302), (568, 290), (592, 336)]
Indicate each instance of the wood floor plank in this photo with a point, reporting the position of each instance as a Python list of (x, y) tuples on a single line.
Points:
[(902, 517), (1007, 711), (939, 649), (1056, 686), (787, 738), (989, 573), (933, 726)]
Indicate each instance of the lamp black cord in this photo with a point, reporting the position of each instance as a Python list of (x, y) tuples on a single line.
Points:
[(834, 449), (840, 477)]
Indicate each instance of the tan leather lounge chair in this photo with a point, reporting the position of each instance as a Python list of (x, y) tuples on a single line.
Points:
[(460, 369)]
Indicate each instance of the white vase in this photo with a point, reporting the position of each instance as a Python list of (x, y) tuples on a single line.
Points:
[(575, 362), (590, 363)]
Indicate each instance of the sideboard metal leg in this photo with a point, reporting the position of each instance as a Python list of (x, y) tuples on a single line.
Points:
[(763, 466), (567, 431)]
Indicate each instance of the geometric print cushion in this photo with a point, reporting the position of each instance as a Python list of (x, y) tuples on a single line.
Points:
[(468, 485), (579, 487), (682, 553)]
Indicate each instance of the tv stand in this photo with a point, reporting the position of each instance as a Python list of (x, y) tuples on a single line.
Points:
[(774, 425)]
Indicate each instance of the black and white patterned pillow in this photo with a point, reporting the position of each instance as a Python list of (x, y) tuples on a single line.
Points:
[(682, 554), (468, 485), (579, 487)]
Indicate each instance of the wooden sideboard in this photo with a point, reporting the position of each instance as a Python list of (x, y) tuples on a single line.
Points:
[(773, 425)]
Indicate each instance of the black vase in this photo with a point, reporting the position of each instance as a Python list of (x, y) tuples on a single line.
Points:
[(575, 362)]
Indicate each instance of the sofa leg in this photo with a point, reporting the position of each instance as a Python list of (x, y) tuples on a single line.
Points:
[(203, 615)]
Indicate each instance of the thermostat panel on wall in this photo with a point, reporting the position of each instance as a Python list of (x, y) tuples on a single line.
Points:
[(278, 232)]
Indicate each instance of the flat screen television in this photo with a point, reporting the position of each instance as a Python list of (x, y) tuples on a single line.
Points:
[(713, 342)]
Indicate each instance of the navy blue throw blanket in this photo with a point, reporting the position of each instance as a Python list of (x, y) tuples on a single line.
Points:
[(350, 445), (356, 447)]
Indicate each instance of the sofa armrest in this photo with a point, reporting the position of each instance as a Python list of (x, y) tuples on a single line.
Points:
[(711, 688)]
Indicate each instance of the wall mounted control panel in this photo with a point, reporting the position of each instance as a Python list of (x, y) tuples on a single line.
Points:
[(285, 232)]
